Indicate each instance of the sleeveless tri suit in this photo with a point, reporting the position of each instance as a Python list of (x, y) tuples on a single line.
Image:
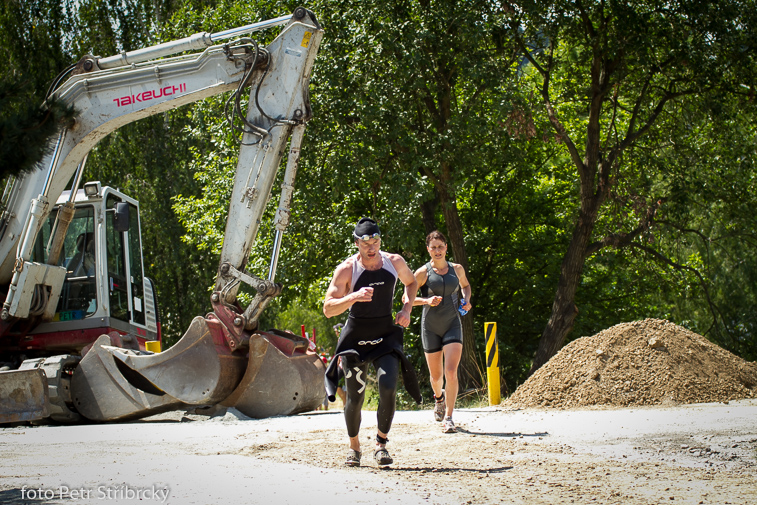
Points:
[(370, 336), (440, 325)]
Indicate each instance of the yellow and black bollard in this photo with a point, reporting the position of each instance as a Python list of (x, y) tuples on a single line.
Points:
[(492, 362)]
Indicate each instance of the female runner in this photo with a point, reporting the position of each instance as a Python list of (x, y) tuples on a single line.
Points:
[(441, 283)]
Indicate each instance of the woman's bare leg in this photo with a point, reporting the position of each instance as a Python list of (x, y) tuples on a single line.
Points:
[(435, 361), (452, 354)]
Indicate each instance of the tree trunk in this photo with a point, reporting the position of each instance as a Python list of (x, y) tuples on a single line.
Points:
[(594, 188), (564, 309), (471, 371), (428, 212)]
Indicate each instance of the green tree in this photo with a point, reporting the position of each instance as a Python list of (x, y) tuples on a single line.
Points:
[(604, 75), (411, 95), (32, 53), (707, 227)]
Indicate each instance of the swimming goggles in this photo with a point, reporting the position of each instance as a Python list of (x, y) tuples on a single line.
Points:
[(367, 237)]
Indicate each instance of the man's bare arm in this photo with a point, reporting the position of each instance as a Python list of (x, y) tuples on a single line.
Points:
[(337, 297), (411, 288)]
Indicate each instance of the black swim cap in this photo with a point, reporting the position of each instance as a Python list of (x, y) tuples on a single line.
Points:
[(366, 226)]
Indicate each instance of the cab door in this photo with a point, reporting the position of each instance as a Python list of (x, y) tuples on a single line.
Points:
[(124, 260)]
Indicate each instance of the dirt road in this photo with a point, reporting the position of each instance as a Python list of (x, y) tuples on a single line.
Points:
[(693, 454)]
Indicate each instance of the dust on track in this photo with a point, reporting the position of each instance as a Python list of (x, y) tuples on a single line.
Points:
[(472, 467)]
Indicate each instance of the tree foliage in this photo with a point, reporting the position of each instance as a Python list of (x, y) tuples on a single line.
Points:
[(606, 76), (413, 96), (32, 54)]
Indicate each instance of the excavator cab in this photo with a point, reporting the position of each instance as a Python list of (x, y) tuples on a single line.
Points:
[(105, 288), (104, 296)]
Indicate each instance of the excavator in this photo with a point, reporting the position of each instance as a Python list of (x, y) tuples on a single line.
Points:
[(80, 336)]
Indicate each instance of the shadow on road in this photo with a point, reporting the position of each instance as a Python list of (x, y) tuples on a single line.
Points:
[(433, 469), (27, 496), (503, 435)]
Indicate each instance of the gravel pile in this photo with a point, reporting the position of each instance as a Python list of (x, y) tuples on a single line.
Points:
[(649, 362)]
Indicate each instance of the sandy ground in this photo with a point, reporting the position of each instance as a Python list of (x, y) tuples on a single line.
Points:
[(705, 453)]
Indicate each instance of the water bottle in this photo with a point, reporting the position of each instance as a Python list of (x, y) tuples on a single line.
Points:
[(460, 309)]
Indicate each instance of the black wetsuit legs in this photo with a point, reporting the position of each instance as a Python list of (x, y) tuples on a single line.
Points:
[(387, 371), (354, 385)]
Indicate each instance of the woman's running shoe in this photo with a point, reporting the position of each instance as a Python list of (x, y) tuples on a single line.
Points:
[(440, 407), (382, 457), (448, 426)]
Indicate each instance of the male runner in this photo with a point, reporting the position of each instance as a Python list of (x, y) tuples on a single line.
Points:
[(364, 284)]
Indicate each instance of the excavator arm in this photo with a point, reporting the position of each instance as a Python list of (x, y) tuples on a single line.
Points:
[(222, 357)]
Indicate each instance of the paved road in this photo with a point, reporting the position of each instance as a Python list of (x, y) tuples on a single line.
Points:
[(207, 461)]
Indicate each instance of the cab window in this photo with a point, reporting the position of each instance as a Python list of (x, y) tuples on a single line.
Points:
[(79, 293)]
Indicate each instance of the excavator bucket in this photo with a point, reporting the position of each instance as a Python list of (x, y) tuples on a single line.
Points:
[(113, 384), (24, 394), (282, 378), (100, 391), (198, 370), (279, 376)]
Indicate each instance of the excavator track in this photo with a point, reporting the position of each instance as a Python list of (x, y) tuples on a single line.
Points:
[(58, 372)]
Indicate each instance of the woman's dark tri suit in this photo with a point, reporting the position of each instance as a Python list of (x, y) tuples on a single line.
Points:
[(442, 283), (440, 324)]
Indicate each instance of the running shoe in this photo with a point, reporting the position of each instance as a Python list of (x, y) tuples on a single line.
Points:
[(353, 458), (448, 426), (382, 457), (440, 407)]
